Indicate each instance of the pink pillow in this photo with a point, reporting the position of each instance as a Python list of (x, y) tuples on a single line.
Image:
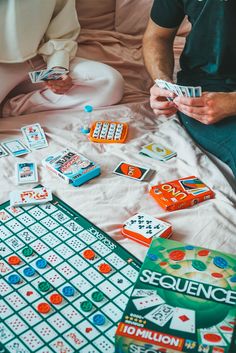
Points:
[(96, 14), (132, 17)]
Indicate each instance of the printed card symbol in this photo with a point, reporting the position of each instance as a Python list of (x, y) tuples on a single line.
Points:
[(88, 329), (29, 293), (183, 318)]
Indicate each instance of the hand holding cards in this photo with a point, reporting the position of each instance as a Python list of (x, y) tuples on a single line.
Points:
[(47, 75), (184, 91)]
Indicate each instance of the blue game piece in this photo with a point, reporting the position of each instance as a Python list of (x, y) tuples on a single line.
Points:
[(29, 271), (68, 291), (14, 279), (189, 247), (152, 257), (41, 263), (99, 319), (233, 279), (220, 262)]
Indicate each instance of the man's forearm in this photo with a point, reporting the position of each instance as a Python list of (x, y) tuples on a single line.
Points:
[(159, 58)]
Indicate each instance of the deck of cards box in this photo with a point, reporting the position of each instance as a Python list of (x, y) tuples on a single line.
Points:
[(183, 301), (142, 228), (72, 167), (181, 193)]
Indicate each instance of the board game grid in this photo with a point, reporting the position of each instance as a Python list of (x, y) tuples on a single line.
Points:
[(60, 235)]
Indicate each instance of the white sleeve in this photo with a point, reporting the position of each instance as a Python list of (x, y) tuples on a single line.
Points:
[(59, 44)]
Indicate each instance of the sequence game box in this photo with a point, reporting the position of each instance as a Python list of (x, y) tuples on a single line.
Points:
[(184, 301)]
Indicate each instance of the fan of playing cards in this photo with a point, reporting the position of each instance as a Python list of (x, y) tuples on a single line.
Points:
[(184, 91), (46, 75)]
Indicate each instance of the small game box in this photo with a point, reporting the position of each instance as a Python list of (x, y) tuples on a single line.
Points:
[(183, 301), (108, 132), (64, 283), (181, 193), (72, 167)]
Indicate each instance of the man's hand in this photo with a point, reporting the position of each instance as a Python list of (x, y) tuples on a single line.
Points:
[(60, 86), (209, 108), (159, 102)]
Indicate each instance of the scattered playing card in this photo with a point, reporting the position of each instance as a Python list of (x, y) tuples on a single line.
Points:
[(161, 315), (30, 197), (26, 173), (157, 151), (15, 147), (3, 152), (183, 320), (34, 136), (133, 171), (46, 75)]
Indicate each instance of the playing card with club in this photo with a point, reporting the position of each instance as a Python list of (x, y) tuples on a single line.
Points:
[(158, 152), (183, 320), (26, 173), (142, 227), (15, 147), (34, 136), (161, 315)]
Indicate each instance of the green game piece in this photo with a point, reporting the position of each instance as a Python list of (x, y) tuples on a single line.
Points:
[(97, 296), (27, 251), (86, 306), (44, 286), (175, 266), (199, 265)]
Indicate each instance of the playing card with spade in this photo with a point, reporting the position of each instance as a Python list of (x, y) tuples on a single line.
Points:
[(142, 227)]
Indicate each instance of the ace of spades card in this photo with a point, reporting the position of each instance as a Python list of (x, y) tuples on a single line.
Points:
[(142, 227)]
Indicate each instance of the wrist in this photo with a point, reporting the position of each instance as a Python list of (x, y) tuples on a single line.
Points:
[(232, 103)]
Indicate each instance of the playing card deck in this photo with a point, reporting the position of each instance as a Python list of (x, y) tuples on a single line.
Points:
[(184, 300), (30, 197), (15, 147), (133, 171), (46, 75), (26, 173), (34, 136), (142, 227), (72, 167), (184, 91), (158, 152), (181, 193)]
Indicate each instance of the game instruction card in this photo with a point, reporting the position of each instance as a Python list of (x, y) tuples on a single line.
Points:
[(183, 301)]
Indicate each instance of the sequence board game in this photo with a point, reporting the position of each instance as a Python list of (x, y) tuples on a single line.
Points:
[(64, 283), (183, 301)]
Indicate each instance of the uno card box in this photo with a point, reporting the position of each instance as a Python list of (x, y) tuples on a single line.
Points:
[(72, 167), (142, 228), (181, 193), (183, 301)]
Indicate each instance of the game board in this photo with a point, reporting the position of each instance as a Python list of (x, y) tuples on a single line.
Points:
[(64, 283)]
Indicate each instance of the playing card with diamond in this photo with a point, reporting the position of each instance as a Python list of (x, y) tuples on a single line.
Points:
[(183, 320), (142, 227)]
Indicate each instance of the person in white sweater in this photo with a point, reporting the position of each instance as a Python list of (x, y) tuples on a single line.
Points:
[(38, 34)]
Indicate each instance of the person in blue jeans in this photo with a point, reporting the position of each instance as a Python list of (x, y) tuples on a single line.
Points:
[(208, 60)]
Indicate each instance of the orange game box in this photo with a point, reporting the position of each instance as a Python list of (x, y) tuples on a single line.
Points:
[(181, 193)]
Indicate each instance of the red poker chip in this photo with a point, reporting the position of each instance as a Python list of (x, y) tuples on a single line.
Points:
[(203, 252), (177, 255), (212, 337), (217, 275), (226, 328)]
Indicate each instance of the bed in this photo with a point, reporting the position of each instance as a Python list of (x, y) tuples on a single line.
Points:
[(112, 33)]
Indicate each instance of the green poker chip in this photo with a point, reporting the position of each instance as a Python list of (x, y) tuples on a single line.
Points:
[(199, 265), (44, 286), (27, 251), (97, 296), (86, 306)]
